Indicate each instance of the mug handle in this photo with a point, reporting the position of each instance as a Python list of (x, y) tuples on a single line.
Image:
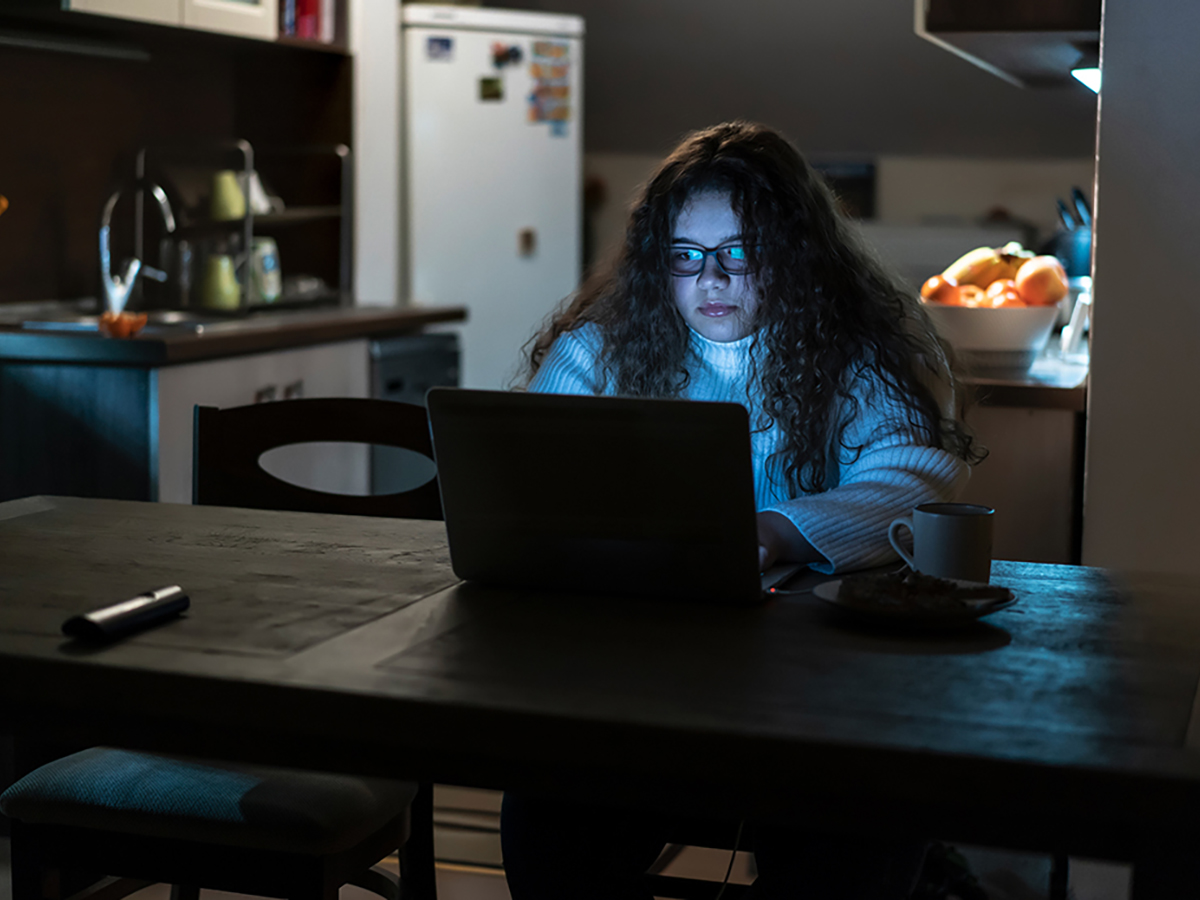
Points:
[(902, 522)]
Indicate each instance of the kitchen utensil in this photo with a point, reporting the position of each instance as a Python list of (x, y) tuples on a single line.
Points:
[(1066, 220), (1072, 334), (228, 202), (256, 195), (1072, 243), (264, 270), (220, 289), (1082, 207)]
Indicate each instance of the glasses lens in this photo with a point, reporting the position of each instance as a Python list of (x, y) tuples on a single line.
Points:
[(686, 261), (733, 259)]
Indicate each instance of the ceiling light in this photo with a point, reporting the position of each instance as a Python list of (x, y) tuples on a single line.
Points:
[(1089, 77)]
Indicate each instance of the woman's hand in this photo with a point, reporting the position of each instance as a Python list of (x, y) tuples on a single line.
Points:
[(781, 541)]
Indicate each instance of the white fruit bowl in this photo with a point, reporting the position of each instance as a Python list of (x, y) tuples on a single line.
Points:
[(995, 342)]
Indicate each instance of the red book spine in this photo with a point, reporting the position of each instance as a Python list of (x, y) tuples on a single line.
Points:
[(307, 18)]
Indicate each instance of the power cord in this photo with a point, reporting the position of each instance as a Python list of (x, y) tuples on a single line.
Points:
[(737, 842)]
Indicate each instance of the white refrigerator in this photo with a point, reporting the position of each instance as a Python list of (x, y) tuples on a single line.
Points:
[(492, 149)]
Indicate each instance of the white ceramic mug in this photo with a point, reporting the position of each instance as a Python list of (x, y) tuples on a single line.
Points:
[(950, 540)]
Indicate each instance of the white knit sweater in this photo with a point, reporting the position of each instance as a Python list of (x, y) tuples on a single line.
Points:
[(848, 523)]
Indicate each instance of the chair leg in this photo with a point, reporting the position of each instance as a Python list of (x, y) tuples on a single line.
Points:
[(27, 870), (418, 879), (185, 892), (1060, 876)]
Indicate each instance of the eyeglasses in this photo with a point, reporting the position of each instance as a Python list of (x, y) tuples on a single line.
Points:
[(689, 260)]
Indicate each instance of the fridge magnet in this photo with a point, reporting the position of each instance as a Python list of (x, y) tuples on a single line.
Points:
[(550, 68), (491, 88), (506, 55), (440, 48), (558, 129)]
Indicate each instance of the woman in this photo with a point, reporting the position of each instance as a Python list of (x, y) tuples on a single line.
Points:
[(739, 281)]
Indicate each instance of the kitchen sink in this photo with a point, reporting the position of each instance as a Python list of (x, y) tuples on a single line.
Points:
[(158, 321)]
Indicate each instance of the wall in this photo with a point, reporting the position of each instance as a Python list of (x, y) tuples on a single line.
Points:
[(910, 190), (1142, 492), (845, 76), (375, 42), (942, 190)]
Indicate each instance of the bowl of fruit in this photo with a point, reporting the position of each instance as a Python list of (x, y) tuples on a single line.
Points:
[(997, 307)]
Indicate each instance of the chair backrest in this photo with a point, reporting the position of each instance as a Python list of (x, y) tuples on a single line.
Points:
[(227, 444)]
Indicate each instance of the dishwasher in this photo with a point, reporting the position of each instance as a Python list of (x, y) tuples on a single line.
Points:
[(403, 368)]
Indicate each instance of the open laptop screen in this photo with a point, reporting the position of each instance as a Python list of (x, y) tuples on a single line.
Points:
[(597, 494)]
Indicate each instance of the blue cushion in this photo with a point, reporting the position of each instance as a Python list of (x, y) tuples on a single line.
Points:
[(211, 802)]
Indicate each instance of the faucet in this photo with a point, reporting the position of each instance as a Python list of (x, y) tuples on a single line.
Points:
[(118, 287)]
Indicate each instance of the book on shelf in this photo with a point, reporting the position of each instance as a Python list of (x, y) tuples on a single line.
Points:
[(314, 20), (327, 27), (307, 14)]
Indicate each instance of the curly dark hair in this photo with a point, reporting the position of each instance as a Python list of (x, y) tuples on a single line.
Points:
[(828, 311)]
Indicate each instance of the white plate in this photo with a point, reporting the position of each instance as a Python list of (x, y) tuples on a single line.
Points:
[(998, 598)]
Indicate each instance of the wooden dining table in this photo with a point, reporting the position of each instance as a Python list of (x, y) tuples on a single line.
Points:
[(1065, 723)]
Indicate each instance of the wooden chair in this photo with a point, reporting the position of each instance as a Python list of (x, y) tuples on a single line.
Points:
[(227, 444), (149, 818)]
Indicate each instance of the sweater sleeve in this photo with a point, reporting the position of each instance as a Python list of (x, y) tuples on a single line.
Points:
[(572, 365), (894, 471)]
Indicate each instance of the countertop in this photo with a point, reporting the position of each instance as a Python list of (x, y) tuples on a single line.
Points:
[(1054, 381), (258, 333)]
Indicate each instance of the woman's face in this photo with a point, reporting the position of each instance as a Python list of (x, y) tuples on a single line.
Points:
[(718, 305)]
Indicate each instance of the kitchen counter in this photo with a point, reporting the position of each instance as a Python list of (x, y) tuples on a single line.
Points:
[(1033, 427), (165, 345), (1052, 382)]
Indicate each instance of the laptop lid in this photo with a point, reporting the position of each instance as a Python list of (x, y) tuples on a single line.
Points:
[(598, 494)]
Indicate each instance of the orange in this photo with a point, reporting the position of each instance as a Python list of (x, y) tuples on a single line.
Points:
[(940, 289), (1042, 281)]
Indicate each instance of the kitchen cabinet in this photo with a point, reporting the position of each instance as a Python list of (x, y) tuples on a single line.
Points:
[(248, 18), (1034, 429), (328, 370), (126, 432), (1028, 43), (162, 12), (86, 416), (1032, 478)]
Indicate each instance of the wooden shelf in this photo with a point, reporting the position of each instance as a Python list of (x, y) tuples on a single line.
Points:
[(294, 216), (299, 214), (338, 46)]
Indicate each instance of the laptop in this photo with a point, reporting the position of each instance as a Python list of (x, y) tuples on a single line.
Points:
[(599, 494)]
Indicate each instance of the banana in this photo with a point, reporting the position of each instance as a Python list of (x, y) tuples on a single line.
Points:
[(980, 267)]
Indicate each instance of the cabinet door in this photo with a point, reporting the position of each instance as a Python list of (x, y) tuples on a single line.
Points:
[(329, 370), (1031, 476), (164, 12), (249, 18)]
